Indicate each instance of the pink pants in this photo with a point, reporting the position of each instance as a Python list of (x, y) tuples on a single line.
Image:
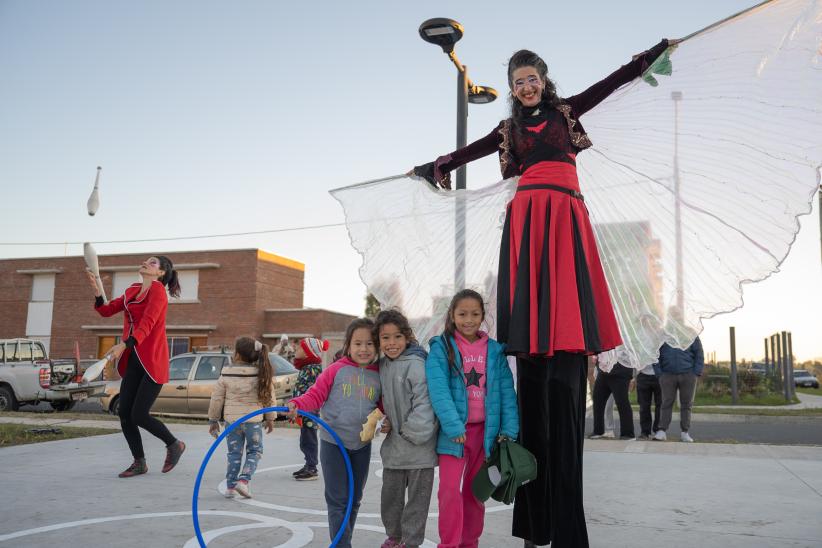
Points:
[(462, 516)]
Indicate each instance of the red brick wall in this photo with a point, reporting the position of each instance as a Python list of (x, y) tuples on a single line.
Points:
[(233, 297)]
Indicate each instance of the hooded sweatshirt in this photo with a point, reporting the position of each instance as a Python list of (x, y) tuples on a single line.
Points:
[(345, 393), (412, 442)]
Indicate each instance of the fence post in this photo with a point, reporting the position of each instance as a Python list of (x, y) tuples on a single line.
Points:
[(734, 391), (790, 363), (785, 374), (777, 352), (767, 363)]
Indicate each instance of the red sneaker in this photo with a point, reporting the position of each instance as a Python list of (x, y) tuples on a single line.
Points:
[(137, 468), (173, 454)]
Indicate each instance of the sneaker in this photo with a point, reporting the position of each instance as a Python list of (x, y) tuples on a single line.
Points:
[(608, 435), (644, 437), (300, 471), (308, 475), (230, 493), (391, 543), (137, 468), (243, 489), (660, 436), (596, 436), (686, 437), (627, 438), (173, 454)]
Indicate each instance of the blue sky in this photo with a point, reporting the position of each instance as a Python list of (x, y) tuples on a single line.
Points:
[(216, 117)]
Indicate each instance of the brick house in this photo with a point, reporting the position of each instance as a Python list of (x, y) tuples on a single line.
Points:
[(225, 293)]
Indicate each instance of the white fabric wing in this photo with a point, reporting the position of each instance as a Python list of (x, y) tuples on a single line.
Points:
[(731, 140)]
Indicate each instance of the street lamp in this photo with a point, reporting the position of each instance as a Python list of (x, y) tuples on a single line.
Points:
[(676, 97), (445, 33)]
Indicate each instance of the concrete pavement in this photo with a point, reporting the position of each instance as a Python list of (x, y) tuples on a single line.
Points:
[(637, 494)]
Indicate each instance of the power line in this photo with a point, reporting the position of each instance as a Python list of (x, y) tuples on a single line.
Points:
[(199, 237)]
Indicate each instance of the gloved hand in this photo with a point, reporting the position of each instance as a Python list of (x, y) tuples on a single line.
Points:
[(426, 171)]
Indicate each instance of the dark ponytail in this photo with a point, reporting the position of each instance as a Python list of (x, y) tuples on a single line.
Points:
[(169, 279)]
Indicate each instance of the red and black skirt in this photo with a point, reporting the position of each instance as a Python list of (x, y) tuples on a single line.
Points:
[(552, 294)]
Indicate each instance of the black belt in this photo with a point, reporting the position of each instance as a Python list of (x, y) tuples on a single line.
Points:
[(571, 192)]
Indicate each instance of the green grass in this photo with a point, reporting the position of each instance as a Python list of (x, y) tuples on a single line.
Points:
[(99, 416), (744, 399), (21, 434), (765, 412), (811, 391)]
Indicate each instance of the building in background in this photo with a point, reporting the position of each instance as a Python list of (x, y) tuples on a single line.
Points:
[(224, 294)]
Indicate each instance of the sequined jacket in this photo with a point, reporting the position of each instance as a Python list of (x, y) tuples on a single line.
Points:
[(514, 149)]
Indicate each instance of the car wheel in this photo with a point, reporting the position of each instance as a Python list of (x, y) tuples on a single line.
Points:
[(62, 405), (7, 400), (114, 406)]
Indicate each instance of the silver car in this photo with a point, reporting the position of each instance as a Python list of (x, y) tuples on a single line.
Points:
[(192, 377)]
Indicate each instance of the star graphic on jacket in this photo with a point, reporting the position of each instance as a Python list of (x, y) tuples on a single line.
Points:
[(472, 378)]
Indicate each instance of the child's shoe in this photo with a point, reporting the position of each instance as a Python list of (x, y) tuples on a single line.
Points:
[(137, 467), (391, 543), (300, 471), (230, 493), (243, 489)]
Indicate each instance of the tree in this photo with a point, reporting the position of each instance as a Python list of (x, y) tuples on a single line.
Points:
[(372, 306)]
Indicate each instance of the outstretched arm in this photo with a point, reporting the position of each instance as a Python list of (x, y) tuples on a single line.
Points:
[(594, 95), (438, 171)]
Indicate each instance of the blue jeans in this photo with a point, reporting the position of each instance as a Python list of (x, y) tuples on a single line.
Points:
[(308, 445), (336, 486), (250, 436)]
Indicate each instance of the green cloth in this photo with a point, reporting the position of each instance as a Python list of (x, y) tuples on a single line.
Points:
[(509, 467), (662, 65)]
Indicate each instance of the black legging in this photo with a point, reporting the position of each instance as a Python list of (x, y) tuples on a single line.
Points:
[(137, 395), (616, 382), (551, 394)]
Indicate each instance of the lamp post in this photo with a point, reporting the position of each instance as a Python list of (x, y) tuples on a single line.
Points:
[(445, 33), (676, 96)]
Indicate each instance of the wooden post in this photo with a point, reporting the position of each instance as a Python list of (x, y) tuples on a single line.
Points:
[(734, 391), (785, 375), (767, 363), (790, 365)]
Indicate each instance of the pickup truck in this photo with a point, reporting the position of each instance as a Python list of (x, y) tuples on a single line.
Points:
[(27, 375)]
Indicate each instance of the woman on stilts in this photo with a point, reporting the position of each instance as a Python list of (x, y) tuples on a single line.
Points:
[(553, 304)]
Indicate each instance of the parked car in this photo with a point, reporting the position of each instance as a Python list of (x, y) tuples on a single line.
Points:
[(192, 377), (28, 376), (804, 378)]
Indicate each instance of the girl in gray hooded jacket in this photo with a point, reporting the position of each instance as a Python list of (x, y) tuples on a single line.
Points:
[(409, 452)]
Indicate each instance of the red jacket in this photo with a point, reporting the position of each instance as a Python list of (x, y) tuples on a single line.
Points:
[(145, 320)]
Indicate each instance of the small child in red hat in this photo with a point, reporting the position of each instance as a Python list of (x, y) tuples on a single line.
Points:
[(308, 361)]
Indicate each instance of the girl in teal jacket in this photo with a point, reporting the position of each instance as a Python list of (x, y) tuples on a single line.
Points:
[(472, 393)]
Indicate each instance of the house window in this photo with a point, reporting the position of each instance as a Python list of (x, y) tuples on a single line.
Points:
[(189, 286), (121, 281), (177, 345)]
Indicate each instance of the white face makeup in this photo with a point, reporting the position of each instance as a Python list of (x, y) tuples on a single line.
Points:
[(527, 86), (151, 268)]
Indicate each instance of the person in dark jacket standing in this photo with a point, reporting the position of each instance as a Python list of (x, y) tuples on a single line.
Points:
[(648, 391), (677, 370), (613, 381)]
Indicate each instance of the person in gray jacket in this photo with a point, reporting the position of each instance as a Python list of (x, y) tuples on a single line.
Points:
[(409, 452), (678, 369)]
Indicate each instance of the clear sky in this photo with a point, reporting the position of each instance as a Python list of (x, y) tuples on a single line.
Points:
[(219, 117)]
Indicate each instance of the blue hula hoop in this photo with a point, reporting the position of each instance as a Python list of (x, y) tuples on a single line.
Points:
[(234, 425)]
